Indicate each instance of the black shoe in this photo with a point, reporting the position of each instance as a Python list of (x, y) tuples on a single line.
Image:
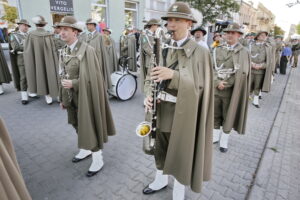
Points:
[(260, 97), (257, 106), (223, 150), (90, 173), (76, 160), (24, 102), (34, 97), (147, 190)]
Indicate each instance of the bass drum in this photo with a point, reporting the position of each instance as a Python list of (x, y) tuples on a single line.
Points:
[(124, 85)]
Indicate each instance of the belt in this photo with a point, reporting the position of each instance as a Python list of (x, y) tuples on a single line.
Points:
[(164, 96)]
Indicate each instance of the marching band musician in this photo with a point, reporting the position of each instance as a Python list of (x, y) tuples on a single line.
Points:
[(17, 40), (261, 64), (40, 58), (146, 48), (110, 47), (128, 48), (83, 95), (97, 41), (232, 86), (183, 146)]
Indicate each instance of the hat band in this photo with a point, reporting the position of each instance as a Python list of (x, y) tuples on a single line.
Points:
[(180, 13)]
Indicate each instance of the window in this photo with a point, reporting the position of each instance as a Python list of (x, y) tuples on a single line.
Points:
[(99, 11), (131, 14)]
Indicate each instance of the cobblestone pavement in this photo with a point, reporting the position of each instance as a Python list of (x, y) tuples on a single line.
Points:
[(278, 176), (45, 145)]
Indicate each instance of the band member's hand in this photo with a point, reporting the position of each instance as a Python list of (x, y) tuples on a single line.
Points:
[(161, 73), (221, 85), (62, 106), (148, 102), (67, 84)]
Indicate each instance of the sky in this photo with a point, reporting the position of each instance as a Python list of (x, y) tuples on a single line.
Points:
[(285, 16)]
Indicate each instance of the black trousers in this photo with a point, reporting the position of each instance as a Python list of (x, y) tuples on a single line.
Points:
[(283, 64)]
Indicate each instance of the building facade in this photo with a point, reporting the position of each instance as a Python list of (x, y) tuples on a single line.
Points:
[(115, 14), (156, 8), (265, 19)]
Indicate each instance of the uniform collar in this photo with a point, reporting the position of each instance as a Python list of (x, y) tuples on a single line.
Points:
[(72, 46), (92, 32), (22, 33), (179, 42)]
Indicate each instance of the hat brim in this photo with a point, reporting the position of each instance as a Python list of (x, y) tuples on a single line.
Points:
[(180, 16), (107, 30), (259, 33), (233, 30), (24, 23), (91, 23), (158, 24), (195, 30), (68, 25), (42, 23)]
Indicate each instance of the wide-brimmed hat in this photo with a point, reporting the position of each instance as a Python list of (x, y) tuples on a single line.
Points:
[(40, 20), (108, 30), (180, 10), (279, 36), (70, 21), (23, 21), (233, 27), (55, 25), (91, 21), (260, 32), (153, 22), (199, 28)]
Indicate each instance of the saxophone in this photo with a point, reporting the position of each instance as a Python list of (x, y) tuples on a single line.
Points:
[(148, 128)]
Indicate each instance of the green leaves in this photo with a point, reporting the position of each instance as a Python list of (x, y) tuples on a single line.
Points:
[(212, 9)]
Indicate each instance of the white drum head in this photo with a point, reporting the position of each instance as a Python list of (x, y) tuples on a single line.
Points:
[(126, 87)]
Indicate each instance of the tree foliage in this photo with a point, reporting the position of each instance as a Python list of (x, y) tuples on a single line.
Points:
[(278, 30), (298, 29), (212, 9), (11, 13)]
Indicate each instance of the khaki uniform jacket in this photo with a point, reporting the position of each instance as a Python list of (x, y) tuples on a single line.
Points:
[(113, 61), (12, 185), (16, 42), (95, 122), (238, 108), (41, 63), (128, 48), (256, 57), (189, 155), (5, 76), (97, 42)]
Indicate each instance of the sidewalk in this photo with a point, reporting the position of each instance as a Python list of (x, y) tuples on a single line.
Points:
[(45, 145), (278, 177)]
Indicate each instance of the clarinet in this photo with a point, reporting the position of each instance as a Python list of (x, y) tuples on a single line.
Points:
[(149, 128)]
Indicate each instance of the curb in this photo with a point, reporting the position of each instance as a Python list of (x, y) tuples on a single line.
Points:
[(263, 172)]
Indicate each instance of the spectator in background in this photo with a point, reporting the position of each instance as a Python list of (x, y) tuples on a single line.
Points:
[(2, 39), (5, 34), (285, 56)]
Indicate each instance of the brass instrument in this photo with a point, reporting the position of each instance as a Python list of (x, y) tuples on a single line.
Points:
[(62, 70), (224, 74)]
